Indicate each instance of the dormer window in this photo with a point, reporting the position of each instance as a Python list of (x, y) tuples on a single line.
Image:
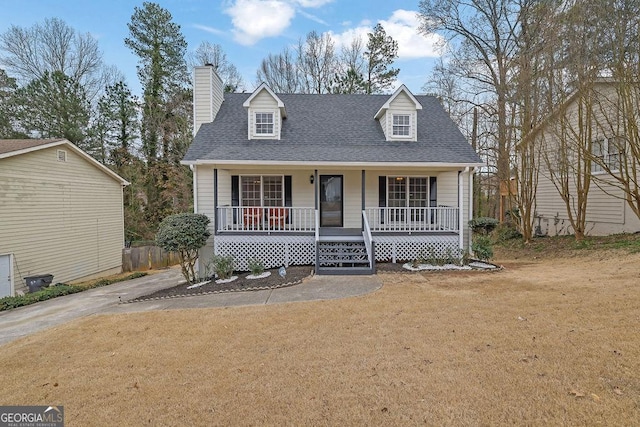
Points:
[(402, 125), (264, 123), (266, 112), (398, 116)]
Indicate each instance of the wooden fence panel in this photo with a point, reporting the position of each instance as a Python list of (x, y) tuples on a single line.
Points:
[(144, 258)]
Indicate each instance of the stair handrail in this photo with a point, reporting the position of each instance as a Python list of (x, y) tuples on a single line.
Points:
[(368, 239)]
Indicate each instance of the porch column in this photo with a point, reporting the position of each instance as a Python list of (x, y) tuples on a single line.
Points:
[(363, 200), (460, 210), (315, 187)]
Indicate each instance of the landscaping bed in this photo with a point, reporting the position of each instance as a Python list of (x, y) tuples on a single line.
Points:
[(294, 276)]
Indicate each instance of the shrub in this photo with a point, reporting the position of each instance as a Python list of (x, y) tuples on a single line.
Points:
[(223, 266), (482, 247), (184, 233), (256, 267), (483, 225), (505, 232)]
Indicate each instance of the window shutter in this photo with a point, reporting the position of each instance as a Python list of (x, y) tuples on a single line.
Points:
[(235, 195), (382, 195), (433, 192), (382, 191), (288, 201)]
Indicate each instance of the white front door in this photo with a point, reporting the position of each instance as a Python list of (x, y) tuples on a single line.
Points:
[(5, 276)]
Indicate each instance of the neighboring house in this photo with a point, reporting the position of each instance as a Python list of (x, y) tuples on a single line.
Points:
[(589, 120), (335, 181), (61, 213)]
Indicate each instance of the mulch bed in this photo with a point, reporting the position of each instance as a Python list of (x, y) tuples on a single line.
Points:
[(294, 276)]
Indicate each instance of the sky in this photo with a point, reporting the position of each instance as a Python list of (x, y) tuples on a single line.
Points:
[(247, 30)]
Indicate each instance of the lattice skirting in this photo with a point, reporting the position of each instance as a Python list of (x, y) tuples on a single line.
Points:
[(406, 248), (274, 251)]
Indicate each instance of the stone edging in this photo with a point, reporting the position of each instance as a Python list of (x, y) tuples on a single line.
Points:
[(222, 291)]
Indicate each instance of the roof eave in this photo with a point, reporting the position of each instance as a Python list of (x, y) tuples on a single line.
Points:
[(205, 162)]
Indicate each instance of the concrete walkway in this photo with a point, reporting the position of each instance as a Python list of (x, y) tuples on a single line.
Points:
[(33, 318)]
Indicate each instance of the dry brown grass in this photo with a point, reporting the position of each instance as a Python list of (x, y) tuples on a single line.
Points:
[(542, 343)]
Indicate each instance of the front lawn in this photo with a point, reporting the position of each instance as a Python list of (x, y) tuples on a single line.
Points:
[(547, 341)]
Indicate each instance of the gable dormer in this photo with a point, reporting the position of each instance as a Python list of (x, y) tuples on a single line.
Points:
[(266, 112), (399, 116)]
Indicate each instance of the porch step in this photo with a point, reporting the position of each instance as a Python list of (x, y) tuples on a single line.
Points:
[(346, 271), (343, 256)]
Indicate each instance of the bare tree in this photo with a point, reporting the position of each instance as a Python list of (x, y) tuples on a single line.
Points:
[(53, 46), (316, 63), (208, 53), (486, 43), (616, 99), (280, 72), (566, 149)]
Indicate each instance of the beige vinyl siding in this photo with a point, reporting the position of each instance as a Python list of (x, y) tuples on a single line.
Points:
[(60, 218), (207, 96), (264, 103), (205, 205), (607, 212), (448, 189)]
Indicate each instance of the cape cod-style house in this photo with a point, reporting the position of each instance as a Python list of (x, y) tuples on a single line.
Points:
[(336, 181)]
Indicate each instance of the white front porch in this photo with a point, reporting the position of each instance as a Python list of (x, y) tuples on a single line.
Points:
[(292, 236), (260, 220), (302, 208)]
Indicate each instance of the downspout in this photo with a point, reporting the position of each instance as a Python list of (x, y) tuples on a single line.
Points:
[(215, 201), (460, 211), (363, 199), (194, 170), (470, 217)]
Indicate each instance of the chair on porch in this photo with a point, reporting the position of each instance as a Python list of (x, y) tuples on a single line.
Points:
[(277, 217), (252, 218)]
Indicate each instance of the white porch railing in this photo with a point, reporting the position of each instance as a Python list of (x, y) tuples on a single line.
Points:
[(368, 239), (412, 219), (265, 219)]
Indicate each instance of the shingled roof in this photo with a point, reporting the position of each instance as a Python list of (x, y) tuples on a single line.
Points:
[(331, 128)]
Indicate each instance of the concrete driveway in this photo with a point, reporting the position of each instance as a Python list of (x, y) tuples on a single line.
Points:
[(33, 318)]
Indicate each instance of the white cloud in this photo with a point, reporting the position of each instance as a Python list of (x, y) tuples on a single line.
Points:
[(312, 3), (254, 20), (402, 26)]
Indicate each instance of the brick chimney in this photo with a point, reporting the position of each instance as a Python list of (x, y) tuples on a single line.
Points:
[(207, 95)]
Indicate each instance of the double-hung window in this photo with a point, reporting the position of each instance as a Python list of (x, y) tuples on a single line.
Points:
[(264, 124), (262, 190), (401, 125), (606, 154)]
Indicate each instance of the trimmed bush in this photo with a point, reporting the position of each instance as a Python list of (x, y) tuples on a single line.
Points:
[(184, 233), (483, 225)]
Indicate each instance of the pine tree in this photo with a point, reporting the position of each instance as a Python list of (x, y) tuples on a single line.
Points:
[(381, 51)]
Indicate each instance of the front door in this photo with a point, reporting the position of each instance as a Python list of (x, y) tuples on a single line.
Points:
[(5, 275), (331, 201)]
